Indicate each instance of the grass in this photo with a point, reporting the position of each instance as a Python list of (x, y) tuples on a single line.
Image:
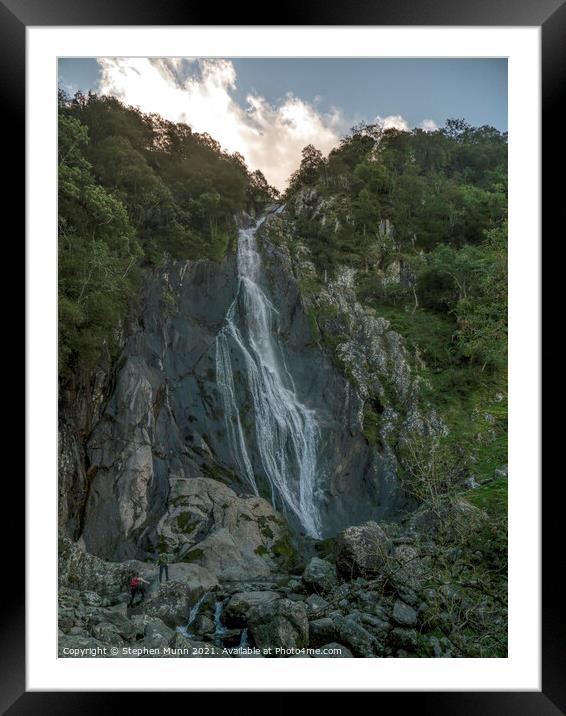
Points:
[(491, 497)]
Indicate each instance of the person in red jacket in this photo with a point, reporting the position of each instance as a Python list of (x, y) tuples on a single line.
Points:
[(137, 586)]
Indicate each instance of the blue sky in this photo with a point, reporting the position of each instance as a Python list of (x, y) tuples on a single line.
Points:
[(269, 108)]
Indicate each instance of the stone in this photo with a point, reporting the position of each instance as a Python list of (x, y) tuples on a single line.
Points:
[(209, 525), (107, 633), (362, 550), (203, 625), (316, 604), (321, 631), (154, 631), (404, 614), (281, 623), (170, 604), (319, 576), (378, 627), (403, 638), (356, 637), (237, 610), (502, 471)]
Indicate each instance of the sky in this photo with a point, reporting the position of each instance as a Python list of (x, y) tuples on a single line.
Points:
[(268, 109)]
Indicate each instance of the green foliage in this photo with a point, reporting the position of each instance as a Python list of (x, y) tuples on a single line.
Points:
[(134, 190)]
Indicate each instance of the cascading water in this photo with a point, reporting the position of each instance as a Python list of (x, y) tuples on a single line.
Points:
[(285, 430)]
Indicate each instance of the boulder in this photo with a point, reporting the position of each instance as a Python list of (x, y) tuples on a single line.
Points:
[(155, 632), (321, 631), (379, 627), (281, 623), (403, 614), (233, 537), (107, 633), (237, 610), (362, 550), (198, 580), (316, 605), (454, 518), (356, 637), (115, 616), (319, 576), (170, 604), (79, 570), (403, 638)]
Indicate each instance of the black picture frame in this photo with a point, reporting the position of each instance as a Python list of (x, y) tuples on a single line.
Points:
[(15, 16)]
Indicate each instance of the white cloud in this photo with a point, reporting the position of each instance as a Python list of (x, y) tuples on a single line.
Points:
[(393, 121), (429, 125), (198, 92)]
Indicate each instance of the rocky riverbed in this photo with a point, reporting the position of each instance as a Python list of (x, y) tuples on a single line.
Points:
[(388, 590)]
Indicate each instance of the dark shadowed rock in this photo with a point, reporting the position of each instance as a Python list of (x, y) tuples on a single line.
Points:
[(237, 610), (319, 576), (321, 631)]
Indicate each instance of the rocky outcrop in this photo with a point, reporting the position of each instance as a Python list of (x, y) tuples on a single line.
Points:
[(207, 524), (72, 482)]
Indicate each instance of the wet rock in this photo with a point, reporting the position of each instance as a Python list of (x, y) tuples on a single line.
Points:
[(203, 625)]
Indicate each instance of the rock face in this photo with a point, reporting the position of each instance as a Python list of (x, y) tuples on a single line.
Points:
[(163, 432), (362, 550)]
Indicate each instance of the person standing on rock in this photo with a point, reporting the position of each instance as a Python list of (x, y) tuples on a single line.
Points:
[(136, 585), (163, 562)]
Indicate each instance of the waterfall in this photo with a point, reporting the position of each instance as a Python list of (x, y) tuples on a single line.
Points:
[(285, 430)]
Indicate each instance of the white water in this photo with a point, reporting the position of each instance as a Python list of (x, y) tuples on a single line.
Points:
[(285, 430), (193, 613)]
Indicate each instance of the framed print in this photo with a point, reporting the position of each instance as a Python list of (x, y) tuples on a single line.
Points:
[(283, 313)]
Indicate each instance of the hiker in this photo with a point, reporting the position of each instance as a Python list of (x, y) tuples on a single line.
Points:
[(163, 563), (136, 585)]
